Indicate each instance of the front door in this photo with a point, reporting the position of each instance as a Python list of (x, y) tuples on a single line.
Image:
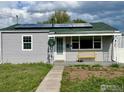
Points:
[(60, 48)]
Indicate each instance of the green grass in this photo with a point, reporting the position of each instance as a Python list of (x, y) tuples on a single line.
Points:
[(115, 65), (92, 84), (96, 65), (22, 77), (83, 66)]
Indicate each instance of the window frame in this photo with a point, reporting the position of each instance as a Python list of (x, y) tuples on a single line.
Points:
[(87, 49), (31, 43), (75, 42), (97, 42)]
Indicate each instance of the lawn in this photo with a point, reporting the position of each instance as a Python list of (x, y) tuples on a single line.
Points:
[(87, 78), (22, 77)]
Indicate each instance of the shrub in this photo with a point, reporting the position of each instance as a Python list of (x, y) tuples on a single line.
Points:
[(90, 68), (82, 66), (96, 65), (115, 65), (85, 66)]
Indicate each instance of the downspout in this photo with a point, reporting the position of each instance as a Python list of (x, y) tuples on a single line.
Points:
[(112, 50), (1, 48)]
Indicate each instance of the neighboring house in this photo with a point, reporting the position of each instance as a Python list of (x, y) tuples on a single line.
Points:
[(23, 43), (119, 50)]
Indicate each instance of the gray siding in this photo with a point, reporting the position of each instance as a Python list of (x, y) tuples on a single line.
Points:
[(12, 48), (101, 55)]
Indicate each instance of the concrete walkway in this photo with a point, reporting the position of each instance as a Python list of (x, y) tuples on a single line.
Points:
[(52, 81)]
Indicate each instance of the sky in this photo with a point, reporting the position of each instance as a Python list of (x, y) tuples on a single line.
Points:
[(110, 12)]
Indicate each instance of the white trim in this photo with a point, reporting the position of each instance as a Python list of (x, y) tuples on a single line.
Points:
[(88, 49), (64, 48), (71, 42), (92, 34), (25, 31), (31, 43), (79, 41), (101, 42), (75, 42), (47, 31), (93, 42)]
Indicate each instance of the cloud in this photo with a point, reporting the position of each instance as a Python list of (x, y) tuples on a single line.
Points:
[(7, 12), (85, 16), (92, 11), (8, 16), (52, 6)]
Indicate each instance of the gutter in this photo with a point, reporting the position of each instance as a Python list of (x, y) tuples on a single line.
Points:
[(25, 31), (89, 34)]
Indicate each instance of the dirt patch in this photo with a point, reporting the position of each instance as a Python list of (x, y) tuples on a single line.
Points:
[(78, 73)]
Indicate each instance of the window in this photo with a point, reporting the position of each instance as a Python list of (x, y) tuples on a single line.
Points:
[(97, 42), (27, 42), (75, 42), (86, 42)]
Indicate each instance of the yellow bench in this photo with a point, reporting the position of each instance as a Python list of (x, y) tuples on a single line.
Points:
[(86, 55)]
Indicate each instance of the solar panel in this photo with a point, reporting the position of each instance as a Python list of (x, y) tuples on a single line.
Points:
[(54, 25), (33, 25), (62, 25), (81, 25)]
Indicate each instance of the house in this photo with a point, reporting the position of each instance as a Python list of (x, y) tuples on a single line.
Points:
[(119, 49), (25, 43)]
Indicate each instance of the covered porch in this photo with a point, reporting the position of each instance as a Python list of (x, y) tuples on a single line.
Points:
[(79, 48)]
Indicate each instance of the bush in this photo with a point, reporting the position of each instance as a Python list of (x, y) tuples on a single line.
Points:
[(115, 65), (82, 66), (96, 65)]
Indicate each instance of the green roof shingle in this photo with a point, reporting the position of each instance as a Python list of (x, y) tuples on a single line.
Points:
[(99, 27)]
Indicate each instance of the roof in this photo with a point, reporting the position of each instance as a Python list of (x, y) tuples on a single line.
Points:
[(96, 27), (91, 27)]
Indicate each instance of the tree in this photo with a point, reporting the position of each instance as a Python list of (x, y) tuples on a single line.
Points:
[(78, 21), (61, 17), (58, 17)]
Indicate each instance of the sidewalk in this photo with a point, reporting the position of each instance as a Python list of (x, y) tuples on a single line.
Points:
[(52, 81)]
